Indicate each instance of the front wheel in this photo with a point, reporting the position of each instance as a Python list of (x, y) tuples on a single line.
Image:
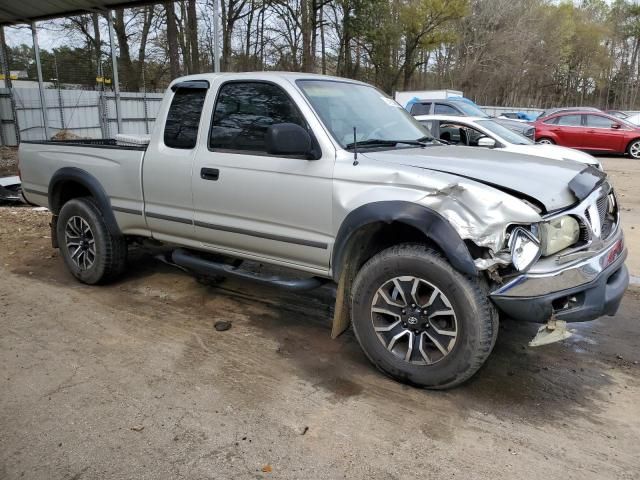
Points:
[(545, 141), (634, 149), (421, 321)]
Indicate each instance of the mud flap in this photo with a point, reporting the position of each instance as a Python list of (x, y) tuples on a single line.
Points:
[(342, 310)]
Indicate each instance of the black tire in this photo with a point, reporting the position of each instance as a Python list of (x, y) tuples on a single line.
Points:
[(110, 250), (633, 149), (476, 318), (545, 140)]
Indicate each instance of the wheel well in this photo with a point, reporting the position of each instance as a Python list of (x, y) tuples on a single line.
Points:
[(630, 142), (67, 190), (375, 237)]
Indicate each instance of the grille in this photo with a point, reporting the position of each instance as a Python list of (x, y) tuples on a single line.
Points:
[(607, 213)]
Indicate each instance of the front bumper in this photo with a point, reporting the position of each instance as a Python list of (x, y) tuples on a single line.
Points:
[(579, 292)]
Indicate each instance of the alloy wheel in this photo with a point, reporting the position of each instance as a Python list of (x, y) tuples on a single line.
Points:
[(414, 320), (634, 150), (80, 243)]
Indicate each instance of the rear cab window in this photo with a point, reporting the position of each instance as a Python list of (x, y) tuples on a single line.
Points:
[(183, 118)]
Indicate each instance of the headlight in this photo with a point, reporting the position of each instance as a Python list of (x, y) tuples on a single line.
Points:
[(558, 234), (525, 248)]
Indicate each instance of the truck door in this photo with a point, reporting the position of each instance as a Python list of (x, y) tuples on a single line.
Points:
[(166, 170), (252, 203)]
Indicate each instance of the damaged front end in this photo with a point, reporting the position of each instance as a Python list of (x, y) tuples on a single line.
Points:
[(560, 266)]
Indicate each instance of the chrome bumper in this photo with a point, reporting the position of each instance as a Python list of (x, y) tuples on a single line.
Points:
[(543, 278), (581, 291)]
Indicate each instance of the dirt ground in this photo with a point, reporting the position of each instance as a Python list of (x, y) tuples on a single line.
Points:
[(131, 380)]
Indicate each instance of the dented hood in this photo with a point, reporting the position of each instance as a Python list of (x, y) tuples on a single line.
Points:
[(546, 180)]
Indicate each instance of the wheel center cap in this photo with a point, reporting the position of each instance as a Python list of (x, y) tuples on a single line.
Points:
[(412, 320)]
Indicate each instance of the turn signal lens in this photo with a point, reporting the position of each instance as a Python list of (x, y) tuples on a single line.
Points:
[(525, 248)]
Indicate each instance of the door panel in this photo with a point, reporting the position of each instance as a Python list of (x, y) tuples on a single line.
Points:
[(569, 130), (273, 206), (600, 136), (167, 174)]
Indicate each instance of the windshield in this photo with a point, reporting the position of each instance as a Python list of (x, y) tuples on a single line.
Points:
[(469, 109), (508, 135), (343, 105)]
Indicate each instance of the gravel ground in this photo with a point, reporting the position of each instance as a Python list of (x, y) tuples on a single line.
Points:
[(8, 161), (131, 380)]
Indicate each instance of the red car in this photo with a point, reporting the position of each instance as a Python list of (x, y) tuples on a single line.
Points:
[(595, 132)]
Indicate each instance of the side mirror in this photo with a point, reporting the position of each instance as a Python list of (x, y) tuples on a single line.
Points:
[(616, 126), (486, 142), (287, 139)]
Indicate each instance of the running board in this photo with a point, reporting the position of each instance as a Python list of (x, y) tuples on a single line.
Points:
[(195, 264)]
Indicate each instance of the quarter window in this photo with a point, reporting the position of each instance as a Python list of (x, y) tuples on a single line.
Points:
[(244, 111), (570, 120), (183, 118)]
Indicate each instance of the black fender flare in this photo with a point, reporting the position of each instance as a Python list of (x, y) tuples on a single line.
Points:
[(92, 184), (435, 227)]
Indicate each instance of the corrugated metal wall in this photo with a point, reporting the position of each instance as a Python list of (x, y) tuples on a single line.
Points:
[(86, 113)]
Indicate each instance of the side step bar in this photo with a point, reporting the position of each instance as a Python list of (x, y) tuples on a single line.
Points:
[(202, 266)]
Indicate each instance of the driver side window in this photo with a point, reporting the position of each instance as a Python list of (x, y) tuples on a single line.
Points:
[(244, 111), (458, 134)]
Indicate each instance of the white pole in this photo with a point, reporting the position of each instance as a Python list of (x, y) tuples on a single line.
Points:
[(43, 103), (216, 36), (114, 63)]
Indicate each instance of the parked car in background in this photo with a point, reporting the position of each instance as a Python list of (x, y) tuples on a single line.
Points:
[(634, 119), (590, 131), (617, 114), (551, 111), (463, 108), (487, 133)]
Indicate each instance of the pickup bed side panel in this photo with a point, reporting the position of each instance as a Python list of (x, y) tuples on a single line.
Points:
[(118, 171)]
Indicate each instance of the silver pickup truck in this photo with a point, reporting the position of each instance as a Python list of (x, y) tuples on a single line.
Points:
[(329, 178)]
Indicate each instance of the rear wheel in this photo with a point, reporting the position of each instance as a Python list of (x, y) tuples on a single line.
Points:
[(92, 254), (545, 141), (634, 149), (421, 321)]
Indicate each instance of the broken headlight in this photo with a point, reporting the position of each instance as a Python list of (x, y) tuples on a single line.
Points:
[(525, 248), (558, 234)]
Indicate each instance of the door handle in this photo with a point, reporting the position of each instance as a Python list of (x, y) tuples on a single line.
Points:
[(209, 173)]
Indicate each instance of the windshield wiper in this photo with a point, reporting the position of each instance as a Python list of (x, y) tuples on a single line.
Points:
[(375, 142)]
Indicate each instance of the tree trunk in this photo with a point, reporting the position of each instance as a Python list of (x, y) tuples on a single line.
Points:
[(192, 33), (128, 78), (306, 27), (323, 51), (172, 40), (183, 41), (97, 43), (142, 50)]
